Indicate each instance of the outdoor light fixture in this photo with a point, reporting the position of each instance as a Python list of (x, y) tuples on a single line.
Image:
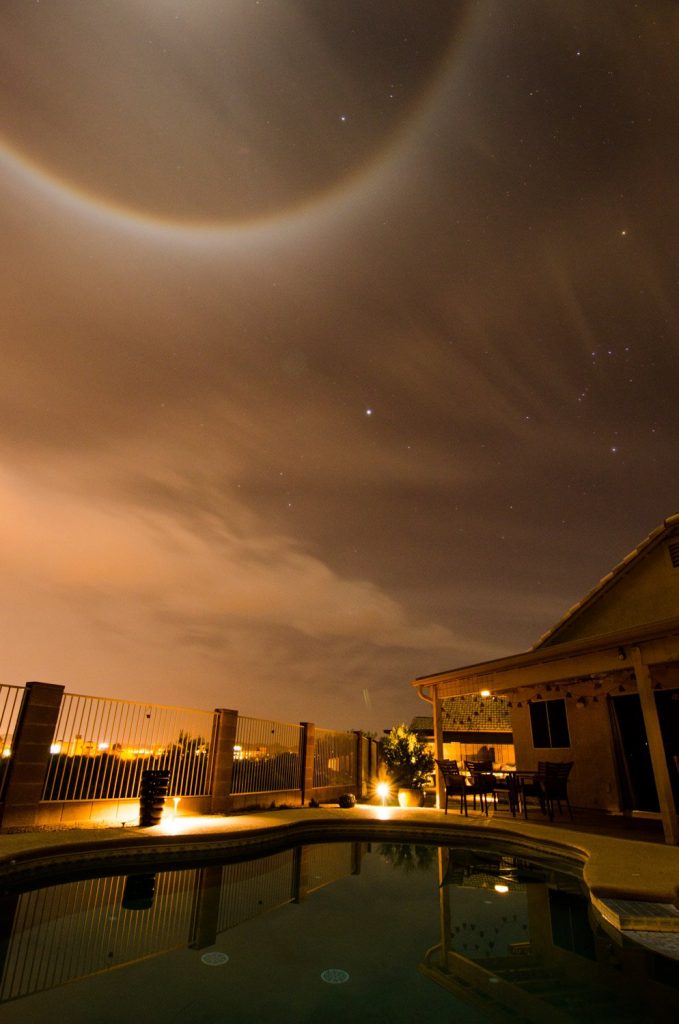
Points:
[(501, 888), (383, 789), (485, 693)]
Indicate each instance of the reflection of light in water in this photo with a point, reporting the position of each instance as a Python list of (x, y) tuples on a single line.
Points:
[(334, 976), (214, 959)]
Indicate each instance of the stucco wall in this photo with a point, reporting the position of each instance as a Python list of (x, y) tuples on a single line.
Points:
[(649, 592), (593, 779)]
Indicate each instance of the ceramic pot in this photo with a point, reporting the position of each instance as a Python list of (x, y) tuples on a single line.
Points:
[(410, 798)]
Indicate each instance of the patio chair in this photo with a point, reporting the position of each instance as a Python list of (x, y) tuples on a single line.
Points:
[(555, 785), (481, 783), (550, 785), (455, 783)]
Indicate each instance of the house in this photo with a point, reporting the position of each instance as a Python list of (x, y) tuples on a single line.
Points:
[(600, 688), (473, 726)]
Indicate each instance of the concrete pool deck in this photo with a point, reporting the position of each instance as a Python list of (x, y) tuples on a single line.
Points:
[(614, 868)]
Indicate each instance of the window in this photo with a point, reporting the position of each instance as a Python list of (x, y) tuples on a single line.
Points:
[(549, 724), (673, 549)]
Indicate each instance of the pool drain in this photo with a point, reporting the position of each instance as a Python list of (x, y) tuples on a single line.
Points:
[(334, 976), (214, 959)]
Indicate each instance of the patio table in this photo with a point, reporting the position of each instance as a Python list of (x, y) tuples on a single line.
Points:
[(516, 785)]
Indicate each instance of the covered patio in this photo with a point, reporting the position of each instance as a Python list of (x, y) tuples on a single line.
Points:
[(600, 689)]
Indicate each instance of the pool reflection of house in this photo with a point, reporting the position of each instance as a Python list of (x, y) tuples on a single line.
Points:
[(472, 727), (601, 688), (521, 943)]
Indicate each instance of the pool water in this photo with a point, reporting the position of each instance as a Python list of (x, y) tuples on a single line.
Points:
[(332, 932)]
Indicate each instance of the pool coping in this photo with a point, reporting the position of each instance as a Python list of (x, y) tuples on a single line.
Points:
[(612, 867)]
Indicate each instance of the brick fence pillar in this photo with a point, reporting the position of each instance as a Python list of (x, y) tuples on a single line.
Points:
[(360, 765), (206, 909), (300, 873), (33, 736), (308, 743), (223, 739)]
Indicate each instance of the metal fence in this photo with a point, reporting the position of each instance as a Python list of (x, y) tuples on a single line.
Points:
[(252, 888), (101, 747), (77, 929), (334, 758), (10, 703), (267, 756)]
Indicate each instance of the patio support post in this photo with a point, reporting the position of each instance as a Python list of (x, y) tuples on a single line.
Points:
[(649, 710), (33, 736), (444, 905), (437, 713), (223, 739), (308, 742)]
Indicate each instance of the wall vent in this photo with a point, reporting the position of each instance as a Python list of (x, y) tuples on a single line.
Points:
[(673, 548)]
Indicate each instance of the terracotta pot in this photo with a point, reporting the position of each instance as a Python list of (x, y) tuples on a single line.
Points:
[(410, 798)]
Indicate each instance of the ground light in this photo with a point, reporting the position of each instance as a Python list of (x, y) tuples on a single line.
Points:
[(383, 790)]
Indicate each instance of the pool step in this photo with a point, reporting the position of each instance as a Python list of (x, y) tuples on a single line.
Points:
[(638, 915), (577, 1002)]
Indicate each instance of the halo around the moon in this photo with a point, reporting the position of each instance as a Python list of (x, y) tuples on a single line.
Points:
[(199, 115)]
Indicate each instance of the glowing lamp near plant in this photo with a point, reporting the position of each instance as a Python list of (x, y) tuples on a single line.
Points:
[(383, 789), (501, 888)]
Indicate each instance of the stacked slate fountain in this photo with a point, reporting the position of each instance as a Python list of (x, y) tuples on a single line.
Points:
[(154, 786)]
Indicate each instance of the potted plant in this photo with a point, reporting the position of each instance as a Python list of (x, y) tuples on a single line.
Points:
[(409, 762)]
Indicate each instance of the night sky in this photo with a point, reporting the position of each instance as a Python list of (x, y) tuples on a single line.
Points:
[(339, 337)]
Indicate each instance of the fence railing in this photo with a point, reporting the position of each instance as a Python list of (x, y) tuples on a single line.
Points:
[(82, 928), (334, 758), (10, 703), (267, 756), (101, 747), (251, 888), (62, 749), (58, 934)]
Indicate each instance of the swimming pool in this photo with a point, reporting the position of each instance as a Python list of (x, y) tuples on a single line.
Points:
[(347, 931)]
